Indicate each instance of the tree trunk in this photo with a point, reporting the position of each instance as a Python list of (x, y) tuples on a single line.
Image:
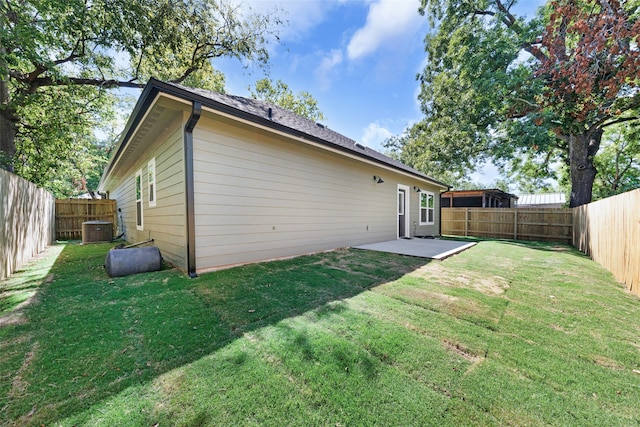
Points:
[(7, 118), (582, 148), (7, 135)]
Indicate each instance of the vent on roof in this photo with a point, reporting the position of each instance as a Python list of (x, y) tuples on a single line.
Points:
[(360, 145), (320, 125), (270, 113)]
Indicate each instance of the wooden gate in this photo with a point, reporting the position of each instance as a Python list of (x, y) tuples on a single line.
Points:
[(71, 213)]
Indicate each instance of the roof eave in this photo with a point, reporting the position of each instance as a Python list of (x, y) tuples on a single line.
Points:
[(144, 101), (155, 86)]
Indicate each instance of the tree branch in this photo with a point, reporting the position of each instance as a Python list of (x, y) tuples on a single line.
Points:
[(620, 120), (107, 83), (505, 10), (510, 21)]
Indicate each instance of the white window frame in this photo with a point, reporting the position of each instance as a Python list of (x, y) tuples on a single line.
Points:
[(137, 188), (151, 182), (427, 208)]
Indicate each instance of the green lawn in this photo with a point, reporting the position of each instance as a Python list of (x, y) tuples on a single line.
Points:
[(501, 334)]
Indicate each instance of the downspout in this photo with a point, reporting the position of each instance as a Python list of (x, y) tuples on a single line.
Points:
[(440, 210), (189, 187)]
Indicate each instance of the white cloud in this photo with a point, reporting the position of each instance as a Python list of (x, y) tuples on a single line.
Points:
[(374, 135), (300, 16), (486, 174), (327, 65), (389, 23)]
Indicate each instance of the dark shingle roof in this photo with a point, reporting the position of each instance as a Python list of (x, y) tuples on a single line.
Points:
[(276, 117)]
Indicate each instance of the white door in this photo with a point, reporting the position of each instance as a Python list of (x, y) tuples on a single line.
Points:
[(403, 211)]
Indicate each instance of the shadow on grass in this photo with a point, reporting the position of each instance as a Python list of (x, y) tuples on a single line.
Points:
[(91, 336)]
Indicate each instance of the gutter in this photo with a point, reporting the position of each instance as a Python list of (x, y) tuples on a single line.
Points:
[(189, 187)]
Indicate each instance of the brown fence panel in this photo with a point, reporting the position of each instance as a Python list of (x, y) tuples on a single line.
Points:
[(553, 225), (71, 213), (26, 221), (609, 232)]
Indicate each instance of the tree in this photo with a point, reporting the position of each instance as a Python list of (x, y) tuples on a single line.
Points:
[(57, 147), (499, 87), (302, 103), (618, 162), (58, 60)]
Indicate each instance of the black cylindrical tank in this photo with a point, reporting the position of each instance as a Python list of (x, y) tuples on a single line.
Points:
[(122, 262)]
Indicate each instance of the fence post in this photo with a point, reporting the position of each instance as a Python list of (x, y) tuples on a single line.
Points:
[(466, 221), (515, 224)]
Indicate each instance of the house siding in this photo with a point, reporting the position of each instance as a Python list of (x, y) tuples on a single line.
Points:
[(260, 196), (165, 222)]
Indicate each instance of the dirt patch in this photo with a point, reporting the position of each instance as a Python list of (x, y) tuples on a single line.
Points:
[(494, 285), (491, 285), (171, 383), (18, 384), (460, 350), (16, 316), (423, 295), (12, 319), (606, 362)]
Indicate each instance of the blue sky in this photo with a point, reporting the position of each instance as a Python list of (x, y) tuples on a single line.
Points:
[(358, 58)]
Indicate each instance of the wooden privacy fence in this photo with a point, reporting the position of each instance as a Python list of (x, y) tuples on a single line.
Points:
[(552, 225), (608, 231), (71, 213), (26, 221)]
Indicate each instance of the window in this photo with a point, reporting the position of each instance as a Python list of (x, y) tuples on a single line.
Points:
[(139, 224), (151, 179), (426, 208)]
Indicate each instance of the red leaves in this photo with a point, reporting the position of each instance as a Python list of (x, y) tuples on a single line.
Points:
[(591, 54)]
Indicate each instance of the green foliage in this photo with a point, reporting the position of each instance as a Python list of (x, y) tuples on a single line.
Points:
[(526, 94), (57, 148), (302, 103), (468, 87), (618, 162), (58, 60)]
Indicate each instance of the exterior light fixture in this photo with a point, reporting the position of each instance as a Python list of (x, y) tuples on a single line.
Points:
[(377, 179), (416, 189)]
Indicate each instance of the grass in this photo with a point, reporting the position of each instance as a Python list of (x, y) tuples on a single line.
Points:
[(502, 334)]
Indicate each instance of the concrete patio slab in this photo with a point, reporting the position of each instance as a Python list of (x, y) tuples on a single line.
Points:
[(424, 248)]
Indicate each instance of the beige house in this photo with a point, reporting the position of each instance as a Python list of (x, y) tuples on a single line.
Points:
[(219, 180)]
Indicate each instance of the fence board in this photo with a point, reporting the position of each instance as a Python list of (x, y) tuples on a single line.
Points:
[(71, 213), (608, 231), (26, 221), (553, 225)]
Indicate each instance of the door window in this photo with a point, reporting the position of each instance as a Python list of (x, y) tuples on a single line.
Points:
[(400, 202)]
